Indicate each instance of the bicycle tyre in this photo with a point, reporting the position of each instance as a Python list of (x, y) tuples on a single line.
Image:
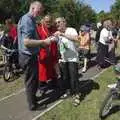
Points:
[(106, 105), (7, 73)]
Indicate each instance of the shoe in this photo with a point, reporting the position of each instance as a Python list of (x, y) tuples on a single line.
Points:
[(84, 70), (36, 107), (112, 85), (76, 100), (99, 68), (33, 107), (65, 95)]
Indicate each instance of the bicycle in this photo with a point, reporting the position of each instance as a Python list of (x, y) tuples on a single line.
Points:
[(112, 96), (9, 70)]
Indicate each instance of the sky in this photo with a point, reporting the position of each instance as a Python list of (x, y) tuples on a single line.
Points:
[(99, 5)]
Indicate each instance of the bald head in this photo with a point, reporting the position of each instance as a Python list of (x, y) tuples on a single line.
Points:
[(36, 8)]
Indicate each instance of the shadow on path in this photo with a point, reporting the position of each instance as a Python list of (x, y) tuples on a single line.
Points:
[(86, 87)]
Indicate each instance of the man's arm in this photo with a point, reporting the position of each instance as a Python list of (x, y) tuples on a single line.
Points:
[(36, 43), (70, 37)]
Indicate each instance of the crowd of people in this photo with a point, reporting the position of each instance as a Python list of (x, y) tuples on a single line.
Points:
[(49, 51)]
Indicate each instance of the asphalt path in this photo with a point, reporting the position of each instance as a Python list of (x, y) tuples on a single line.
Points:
[(15, 107)]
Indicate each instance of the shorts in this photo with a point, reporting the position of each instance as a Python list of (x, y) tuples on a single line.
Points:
[(84, 53)]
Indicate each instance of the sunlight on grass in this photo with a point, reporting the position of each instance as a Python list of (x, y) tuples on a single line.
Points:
[(89, 107)]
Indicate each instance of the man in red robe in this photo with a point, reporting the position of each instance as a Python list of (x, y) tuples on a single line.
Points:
[(48, 57)]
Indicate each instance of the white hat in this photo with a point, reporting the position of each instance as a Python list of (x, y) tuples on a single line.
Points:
[(99, 24)]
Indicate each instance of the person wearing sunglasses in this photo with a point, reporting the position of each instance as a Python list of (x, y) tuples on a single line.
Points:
[(68, 60)]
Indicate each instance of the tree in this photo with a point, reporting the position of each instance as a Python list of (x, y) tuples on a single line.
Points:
[(115, 10), (9, 8), (75, 12)]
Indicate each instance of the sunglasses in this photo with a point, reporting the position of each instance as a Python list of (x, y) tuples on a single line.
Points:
[(57, 22)]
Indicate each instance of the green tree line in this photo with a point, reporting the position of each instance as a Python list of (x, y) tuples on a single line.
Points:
[(75, 11)]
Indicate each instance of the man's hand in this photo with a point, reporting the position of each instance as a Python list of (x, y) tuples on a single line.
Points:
[(58, 33), (47, 41), (54, 38)]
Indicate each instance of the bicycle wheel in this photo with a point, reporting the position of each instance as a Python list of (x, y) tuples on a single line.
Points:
[(106, 105), (7, 73)]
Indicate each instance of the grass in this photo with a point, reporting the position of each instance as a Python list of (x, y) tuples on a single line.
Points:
[(7, 88), (89, 107)]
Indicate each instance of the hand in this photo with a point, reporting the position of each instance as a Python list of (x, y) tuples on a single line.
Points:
[(58, 33), (54, 38), (47, 41)]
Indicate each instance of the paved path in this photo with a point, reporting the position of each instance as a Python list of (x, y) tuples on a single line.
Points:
[(15, 107)]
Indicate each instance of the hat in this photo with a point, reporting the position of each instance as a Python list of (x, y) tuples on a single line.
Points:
[(84, 28), (99, 24)]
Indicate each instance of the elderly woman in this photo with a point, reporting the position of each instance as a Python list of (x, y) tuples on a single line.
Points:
[(104, 41)]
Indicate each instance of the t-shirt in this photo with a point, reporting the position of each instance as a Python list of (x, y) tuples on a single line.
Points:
[(67, 47), (84, 41), (105, 36)]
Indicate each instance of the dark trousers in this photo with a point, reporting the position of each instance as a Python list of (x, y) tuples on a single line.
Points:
[(70, 76), (112, 56), (102, 53), (30, 66)]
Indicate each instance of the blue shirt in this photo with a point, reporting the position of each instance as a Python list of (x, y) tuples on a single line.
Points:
[(27, 29)]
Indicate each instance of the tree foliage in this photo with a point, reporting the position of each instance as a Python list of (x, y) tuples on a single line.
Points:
[(101, 16), (75, 12), (115, 10)]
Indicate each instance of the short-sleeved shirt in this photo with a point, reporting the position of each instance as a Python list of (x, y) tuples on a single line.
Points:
[(105, 36), (67, 47), (27, 29)]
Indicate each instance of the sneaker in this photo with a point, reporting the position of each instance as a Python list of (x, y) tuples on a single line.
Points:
[(112, 85), (84, 70), (99, 68), (65, 95), (33, 107)]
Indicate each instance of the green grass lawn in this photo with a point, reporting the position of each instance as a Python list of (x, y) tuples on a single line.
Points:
[(89, 107), (7, 88)]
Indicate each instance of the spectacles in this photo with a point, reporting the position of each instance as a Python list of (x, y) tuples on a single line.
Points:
[(57, 22), (47, 21)]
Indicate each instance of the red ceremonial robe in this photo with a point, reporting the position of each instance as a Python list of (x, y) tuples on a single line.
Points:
[(48, 56)]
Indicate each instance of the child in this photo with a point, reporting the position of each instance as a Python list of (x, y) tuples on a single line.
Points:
[(84, 40)]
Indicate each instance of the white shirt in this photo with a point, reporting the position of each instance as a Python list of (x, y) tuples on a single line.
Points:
[(67, 47), (105, 36)]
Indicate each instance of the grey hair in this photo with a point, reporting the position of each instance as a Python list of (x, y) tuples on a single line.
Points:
[(107, 23), (34, 3), (60, 18)]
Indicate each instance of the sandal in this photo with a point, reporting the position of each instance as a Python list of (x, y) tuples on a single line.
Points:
[(76, 100)]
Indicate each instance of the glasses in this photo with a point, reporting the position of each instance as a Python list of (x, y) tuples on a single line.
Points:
[(57, 22)]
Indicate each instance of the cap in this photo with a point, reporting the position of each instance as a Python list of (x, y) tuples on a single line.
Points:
[(84, 28)]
